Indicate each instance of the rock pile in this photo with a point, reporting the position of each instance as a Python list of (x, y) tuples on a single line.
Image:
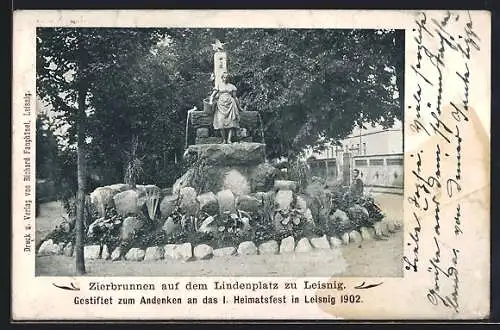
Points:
[(187, 252)]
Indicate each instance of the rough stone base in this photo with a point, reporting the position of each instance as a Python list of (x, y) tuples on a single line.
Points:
[(240, 179)]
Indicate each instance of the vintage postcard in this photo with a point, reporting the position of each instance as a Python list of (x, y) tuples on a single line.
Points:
[(240, 164)]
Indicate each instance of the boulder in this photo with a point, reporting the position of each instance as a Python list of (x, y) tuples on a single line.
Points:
[(340, 215), (126, 203), (141, 195), (262, 177), (91, 231), (358, 214), (68, 250), (235, 181), (219, 177), (154, 253), (398, 225), (248, 203), (60, 247), (119, 187), (203, 251), (320, 242), (129, 227), (285, 185), (346, 238), (392, 225), (183, 181), (208, 225), (355, 236), (380, 228), (247, 248), (48, 248), (187, 201), (225, 251), (116, 254), (367, 233), (269, 247), (168, 205), (244, 153), (92, 252), (208, 203), (284, 199), (105, 255), (391, 228), (226, 201), (338, 221), (287, 245), (102, 198), (303, 245), (170, 227), (183, 252), (335, 242), (169, 253), (135, 254)]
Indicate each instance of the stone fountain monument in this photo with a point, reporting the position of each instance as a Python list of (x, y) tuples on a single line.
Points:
[(240, 167)]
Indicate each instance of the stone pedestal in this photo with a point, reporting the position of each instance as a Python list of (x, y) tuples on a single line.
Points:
[(239, 167), (202, 123)]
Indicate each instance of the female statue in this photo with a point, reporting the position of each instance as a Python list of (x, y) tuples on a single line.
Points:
[(227, 110)]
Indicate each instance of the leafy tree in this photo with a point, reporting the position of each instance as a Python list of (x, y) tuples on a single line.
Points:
[(47, 150), (315, 83), (71, 64), (139, 107), (318, 84)]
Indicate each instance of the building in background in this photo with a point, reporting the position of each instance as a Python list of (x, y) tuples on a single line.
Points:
[(375, 151)]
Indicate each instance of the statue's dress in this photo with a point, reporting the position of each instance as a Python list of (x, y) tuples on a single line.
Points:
[(226, 112)]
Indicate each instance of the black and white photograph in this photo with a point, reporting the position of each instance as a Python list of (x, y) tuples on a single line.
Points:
[(219, 152), (251, 165)]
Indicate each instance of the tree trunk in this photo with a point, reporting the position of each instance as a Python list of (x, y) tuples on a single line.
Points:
[(81, 172), (80, 213)]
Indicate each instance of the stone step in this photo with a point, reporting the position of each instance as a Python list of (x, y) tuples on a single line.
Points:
[(248, 119), (218, 140), (208, 140)]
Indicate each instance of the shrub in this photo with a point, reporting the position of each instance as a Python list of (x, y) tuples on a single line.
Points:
[(263, 231), (293, 221), (265, 214), (61, 234), (233, 228), (105, 230), (327, 201), (374, 212), (300, 172)]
